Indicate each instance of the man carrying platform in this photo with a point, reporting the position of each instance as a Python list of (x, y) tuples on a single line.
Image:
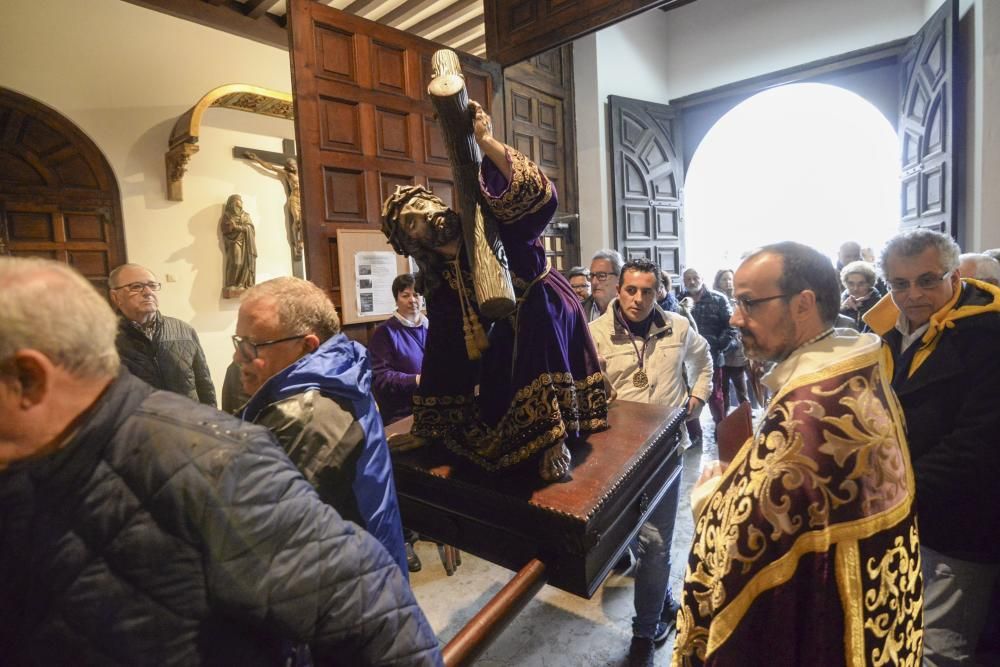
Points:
[(139, 527), (311, 386), (806, 551), (646, 350)]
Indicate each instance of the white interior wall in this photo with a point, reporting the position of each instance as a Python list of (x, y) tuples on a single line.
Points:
[(123, 74), (983, 136), (710, 43)]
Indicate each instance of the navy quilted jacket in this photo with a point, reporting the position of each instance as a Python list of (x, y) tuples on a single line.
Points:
[(173, 361), (166, 532)]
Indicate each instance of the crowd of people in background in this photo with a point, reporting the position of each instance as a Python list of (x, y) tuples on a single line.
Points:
[(298, 488)]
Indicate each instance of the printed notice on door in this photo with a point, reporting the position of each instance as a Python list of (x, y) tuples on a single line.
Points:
[(374, 272)]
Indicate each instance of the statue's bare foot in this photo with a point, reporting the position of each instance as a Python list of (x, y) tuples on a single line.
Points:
[(555, 462)]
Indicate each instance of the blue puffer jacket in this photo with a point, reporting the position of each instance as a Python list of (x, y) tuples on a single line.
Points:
[(322, 412), (165, 532)]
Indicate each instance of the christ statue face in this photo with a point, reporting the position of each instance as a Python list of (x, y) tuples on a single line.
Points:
[(426, 220)]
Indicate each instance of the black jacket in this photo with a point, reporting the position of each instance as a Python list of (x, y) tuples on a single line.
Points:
[(173, 360), (952, 408), (166, 532), (712, 313)]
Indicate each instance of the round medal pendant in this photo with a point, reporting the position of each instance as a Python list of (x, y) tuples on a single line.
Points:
[(640, 379)]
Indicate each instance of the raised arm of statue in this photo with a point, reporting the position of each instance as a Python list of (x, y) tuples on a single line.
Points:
[(272, 168), (492, 148)]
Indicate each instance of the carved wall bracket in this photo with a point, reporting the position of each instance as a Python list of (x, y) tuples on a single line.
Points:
[(184, 137)]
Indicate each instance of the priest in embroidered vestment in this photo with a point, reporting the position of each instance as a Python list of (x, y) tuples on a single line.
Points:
[(539, 381), (806, 549)]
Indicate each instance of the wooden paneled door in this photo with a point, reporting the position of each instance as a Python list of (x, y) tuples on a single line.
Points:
[(365, 124), (647, 182), (540, 116), (58, 196), (929, 105)]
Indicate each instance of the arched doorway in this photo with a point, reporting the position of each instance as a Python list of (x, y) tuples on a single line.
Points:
[(59, 198), (807, 162)]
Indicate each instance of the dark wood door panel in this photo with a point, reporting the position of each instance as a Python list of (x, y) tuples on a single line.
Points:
[(58, 195), (540, 120), (647, 179), (365, 124), (929, 105), (519, 29)]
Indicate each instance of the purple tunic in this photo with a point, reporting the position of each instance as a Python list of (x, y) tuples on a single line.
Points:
[(397, 352), (539, 380)]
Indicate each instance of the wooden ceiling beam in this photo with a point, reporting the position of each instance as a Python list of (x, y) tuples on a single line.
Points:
[(359, 6), (463, 32), (405, 12), (472, 45), (432, 24), (257, 8), (265, 30)]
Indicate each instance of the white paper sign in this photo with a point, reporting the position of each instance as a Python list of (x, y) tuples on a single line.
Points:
[(374, 272)]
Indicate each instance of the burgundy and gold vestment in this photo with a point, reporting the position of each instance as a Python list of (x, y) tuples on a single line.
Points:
[(808, 551)]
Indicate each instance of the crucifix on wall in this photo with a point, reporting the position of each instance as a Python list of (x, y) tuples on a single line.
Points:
[(283, 166)]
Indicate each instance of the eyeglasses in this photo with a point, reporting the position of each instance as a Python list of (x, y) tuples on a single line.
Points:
[(928, 281), (601, 276), (135, 288), (746, 305), (248, 348)]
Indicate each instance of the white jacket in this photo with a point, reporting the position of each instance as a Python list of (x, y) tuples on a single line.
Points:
[(672, 346)]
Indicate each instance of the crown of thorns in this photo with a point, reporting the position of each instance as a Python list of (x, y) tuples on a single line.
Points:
[(391, 207)]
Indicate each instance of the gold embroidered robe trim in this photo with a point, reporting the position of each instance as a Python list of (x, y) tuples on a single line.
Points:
[(849, 584), (538, 417), (528, 191), (827, 467)]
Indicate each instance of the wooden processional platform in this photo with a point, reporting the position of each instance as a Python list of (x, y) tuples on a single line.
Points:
[(568, 534)]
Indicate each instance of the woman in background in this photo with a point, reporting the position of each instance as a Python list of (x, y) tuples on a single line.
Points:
[(735, 369)]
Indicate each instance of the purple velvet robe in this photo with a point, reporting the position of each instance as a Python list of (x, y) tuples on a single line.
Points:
[(539, 380), (397, 352)]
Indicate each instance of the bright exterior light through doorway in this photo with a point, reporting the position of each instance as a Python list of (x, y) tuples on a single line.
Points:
[(808, 162)]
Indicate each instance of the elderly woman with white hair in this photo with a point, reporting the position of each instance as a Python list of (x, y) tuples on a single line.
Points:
[(858, 279)]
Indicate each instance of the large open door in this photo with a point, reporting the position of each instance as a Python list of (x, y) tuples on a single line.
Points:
[(364, 124), (647, 182), (929, 106)]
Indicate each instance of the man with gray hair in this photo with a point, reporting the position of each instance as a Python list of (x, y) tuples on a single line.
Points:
[(605, 267), (940, 336), (138, 526), (311, 386), (979, 266), (163, 351)]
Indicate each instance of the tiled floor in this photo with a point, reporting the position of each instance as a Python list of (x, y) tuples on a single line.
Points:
[(556, 628)]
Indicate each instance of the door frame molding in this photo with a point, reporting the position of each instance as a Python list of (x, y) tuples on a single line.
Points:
[(724, 98)]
